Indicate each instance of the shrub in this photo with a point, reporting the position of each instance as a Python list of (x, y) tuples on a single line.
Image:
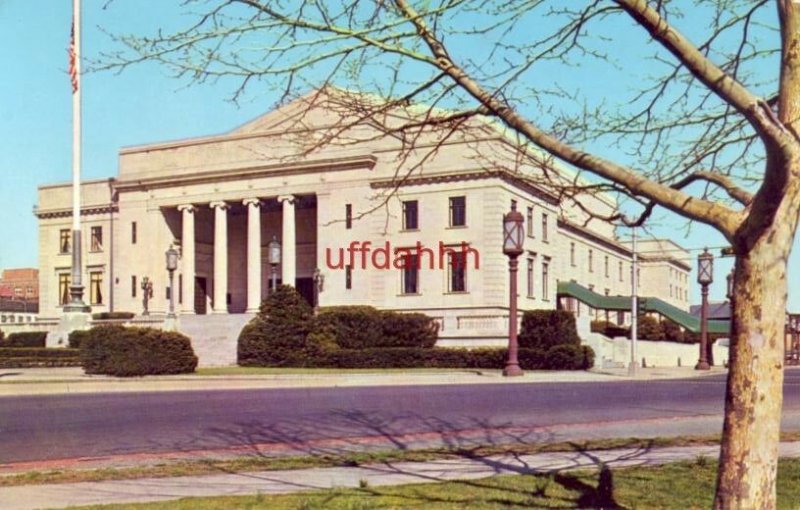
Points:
[(30, 357), (37, 352), (352, 327), (543, 329), (564, 357), (26, 339), (277, 334), (408, 330), (610, 329), (649, 328), (76, 338), (672, 332), (130, 352), (106, 316), (2, 336), (364, 327)]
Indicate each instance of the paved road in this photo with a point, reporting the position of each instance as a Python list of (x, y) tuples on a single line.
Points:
[(329, 420)]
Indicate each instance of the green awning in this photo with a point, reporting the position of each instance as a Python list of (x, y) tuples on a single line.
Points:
[(648, 304)]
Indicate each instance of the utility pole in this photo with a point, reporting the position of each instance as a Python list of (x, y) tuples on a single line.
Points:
[(632, 367)]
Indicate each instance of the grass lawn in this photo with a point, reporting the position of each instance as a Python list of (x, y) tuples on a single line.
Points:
[(197, 467), (268, 463), (683, 486)]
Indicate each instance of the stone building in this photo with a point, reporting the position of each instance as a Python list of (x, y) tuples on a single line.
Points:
[(342, 205)]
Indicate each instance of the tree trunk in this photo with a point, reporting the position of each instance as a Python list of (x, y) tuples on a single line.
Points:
[(749, 453)]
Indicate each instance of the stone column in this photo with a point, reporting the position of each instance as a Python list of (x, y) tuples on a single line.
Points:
[(253, 254), (220, 257), (288, 242), (187, 258)]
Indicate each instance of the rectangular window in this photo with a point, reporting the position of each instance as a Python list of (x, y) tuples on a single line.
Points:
[(670, 291), (180, 289), (348, 216), (531, 288), (96, 243), (96, 288), (572, 254), (529, 219), (545, 278), (458, 211), (591, 260), (63, 288), (544, 227), (457, 267), (410, 274), (348, 277), (621, 271), (605, 266), (620, 318), (133, 233), (64, 241), (410, 218), (133, 286)]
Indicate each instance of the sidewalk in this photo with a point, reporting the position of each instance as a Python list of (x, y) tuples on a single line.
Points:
[(287, 481), (72, 380)]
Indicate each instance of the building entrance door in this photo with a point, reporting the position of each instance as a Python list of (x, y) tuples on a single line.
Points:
[(305, 286), (200, 296)]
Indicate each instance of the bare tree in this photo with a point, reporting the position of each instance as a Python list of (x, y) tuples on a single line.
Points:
[(703, 126)]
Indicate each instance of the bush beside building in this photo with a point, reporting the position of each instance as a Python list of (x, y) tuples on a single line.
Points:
[(286, 333), (131, 352)]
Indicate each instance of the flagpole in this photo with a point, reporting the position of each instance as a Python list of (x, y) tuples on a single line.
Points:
[(76, 288)]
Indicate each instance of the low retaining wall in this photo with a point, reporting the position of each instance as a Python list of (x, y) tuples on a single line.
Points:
[(617, 351)]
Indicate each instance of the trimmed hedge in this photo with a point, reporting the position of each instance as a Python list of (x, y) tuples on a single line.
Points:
[(28, 357), (130, 352), (364, 327), (610, 329), (26, 339), (286, 334), (543, 329), (560, 357), (107, 316), (408, 330), (76, 338), (277, 335), (649, 328)]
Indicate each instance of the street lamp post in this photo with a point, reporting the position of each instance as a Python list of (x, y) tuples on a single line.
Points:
[(705, 275), (274, 249), (172, 265), (513, 238)]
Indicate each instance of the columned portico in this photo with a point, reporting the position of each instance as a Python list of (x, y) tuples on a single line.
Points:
[(289, 241), (220, 304), (187, 258), (253, 254)]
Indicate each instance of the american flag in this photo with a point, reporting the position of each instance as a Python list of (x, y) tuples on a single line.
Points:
[(73, 69)]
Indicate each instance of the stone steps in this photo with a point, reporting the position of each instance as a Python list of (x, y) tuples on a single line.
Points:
[(214, 337)]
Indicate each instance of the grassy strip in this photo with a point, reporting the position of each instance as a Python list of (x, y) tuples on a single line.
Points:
[(683, 485), (343, 371), (255, 463)]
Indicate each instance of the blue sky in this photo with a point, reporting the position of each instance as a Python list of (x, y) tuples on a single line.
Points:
[(143, 104)]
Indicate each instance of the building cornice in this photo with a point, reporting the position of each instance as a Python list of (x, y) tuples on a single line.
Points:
[(67, 212), (468, 176), (231, 174), (620, 248)]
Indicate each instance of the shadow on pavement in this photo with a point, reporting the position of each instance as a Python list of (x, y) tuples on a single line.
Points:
[(351, 432)]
